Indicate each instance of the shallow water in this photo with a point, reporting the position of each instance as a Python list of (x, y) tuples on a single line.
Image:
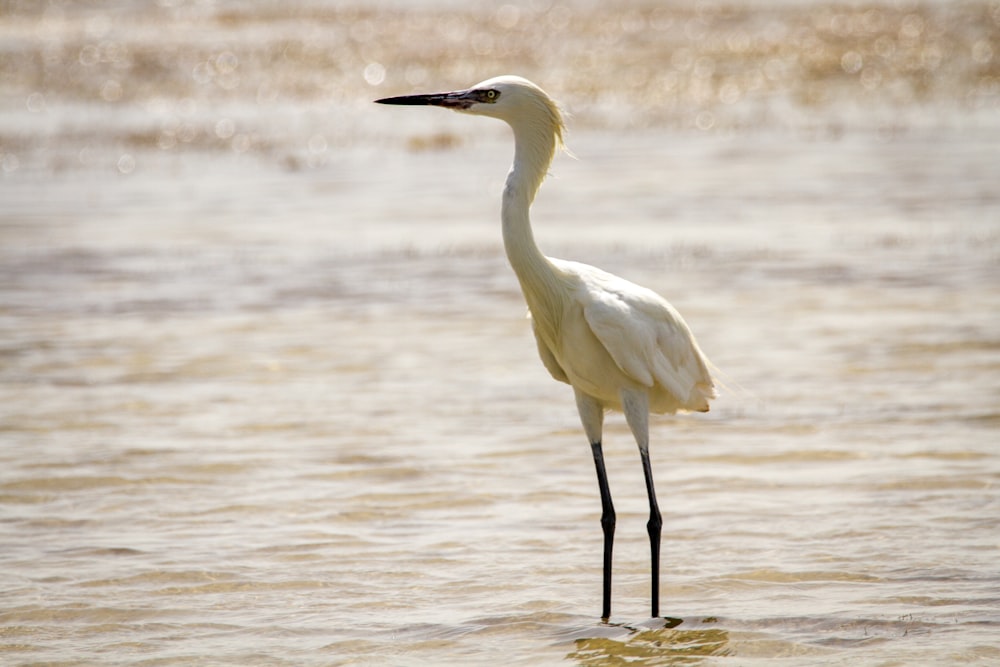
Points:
[(273, 400)]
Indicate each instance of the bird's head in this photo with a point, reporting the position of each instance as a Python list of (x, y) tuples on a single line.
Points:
[(510, 98)]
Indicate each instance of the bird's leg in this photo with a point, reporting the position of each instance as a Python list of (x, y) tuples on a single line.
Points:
[(635, 405), (653, 527), (592, 417), (607, 525)]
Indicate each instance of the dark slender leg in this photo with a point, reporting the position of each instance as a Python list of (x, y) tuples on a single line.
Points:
[(653, 528), (607, 523)]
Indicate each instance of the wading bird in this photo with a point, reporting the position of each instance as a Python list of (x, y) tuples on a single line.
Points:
[(620, 346)]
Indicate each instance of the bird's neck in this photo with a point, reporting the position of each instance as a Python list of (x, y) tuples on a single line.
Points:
[(534, 147)]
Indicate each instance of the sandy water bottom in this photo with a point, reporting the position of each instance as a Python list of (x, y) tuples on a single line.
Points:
[(240, 438), (268, 395)]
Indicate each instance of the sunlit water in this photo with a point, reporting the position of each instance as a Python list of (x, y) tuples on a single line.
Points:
[(269, 395)]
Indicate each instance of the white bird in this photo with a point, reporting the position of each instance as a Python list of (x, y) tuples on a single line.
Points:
[(620, 346)]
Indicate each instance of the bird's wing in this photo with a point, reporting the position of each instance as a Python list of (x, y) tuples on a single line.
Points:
[(645, 336)]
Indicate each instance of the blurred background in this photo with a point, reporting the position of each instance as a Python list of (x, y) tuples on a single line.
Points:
[(88, 83), (268, 396)]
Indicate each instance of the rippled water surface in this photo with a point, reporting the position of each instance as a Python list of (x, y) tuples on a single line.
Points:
[(267, 391)]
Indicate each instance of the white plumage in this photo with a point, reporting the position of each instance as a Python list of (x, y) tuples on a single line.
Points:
[(619, 345), (618, 335)]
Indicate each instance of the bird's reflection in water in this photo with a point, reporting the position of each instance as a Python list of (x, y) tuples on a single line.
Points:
[(661, 646)]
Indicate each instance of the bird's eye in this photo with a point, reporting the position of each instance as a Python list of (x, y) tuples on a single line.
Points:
[(492, 95)]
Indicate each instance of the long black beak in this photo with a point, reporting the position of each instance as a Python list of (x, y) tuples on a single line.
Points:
[(460, 99)]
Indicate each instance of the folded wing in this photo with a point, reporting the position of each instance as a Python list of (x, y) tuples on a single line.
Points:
[(647, 338)]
